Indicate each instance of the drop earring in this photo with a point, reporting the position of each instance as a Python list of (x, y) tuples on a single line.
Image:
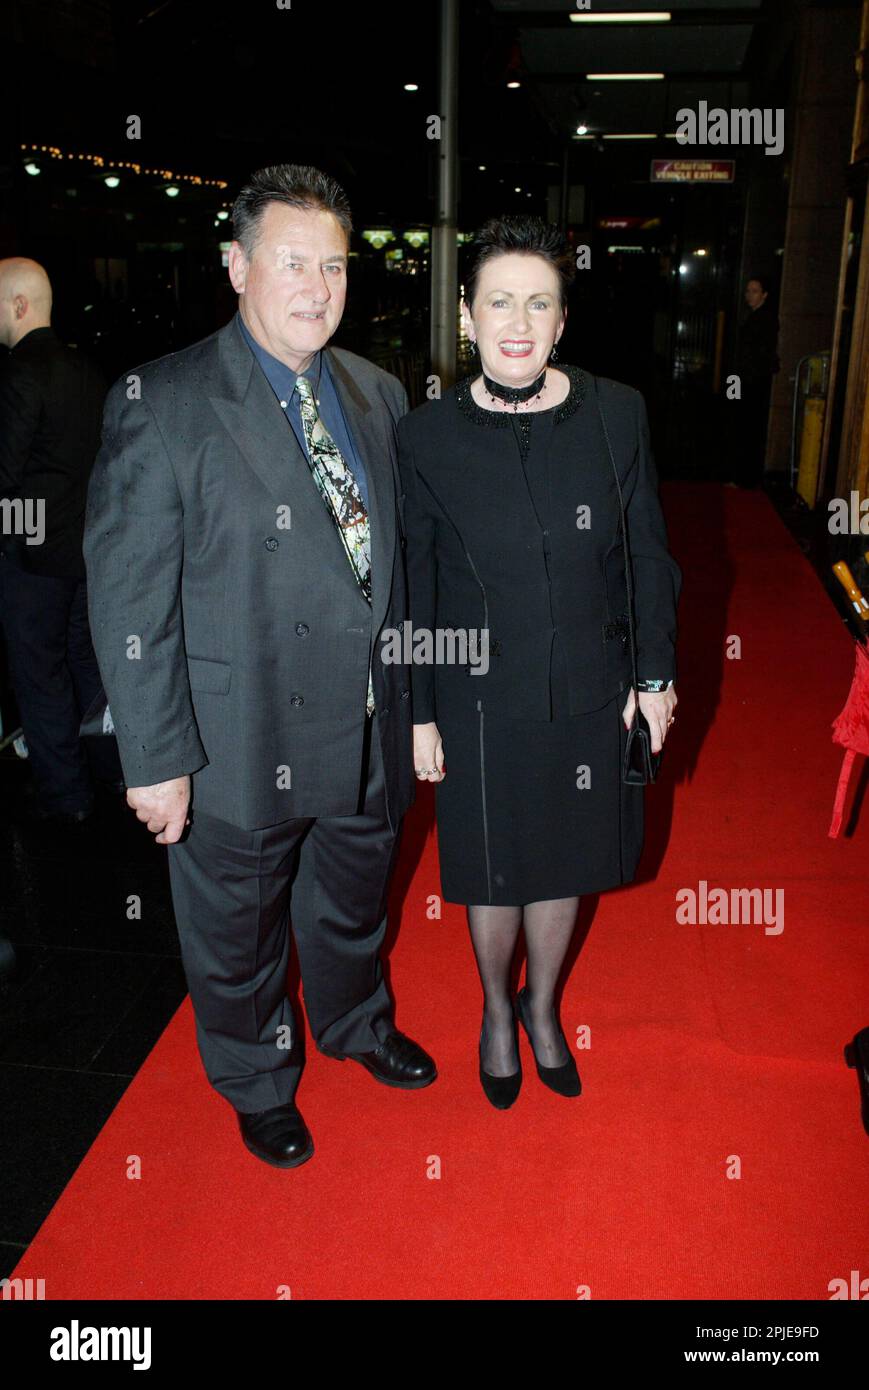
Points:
[(553, 356)]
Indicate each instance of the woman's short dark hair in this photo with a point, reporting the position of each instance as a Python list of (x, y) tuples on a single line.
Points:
[(297, 185), (531, 236)]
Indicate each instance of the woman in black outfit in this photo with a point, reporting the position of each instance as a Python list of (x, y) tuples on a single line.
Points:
[(513, 532)]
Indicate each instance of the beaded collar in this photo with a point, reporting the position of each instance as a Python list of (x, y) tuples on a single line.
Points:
[(515, 395), (499, 419)]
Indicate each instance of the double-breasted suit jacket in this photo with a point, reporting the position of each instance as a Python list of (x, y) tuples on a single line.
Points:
[(231, 634)]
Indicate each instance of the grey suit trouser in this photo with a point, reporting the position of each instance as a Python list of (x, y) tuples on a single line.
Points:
[(233, 891)]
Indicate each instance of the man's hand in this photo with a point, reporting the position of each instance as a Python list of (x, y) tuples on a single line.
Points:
[(658, 709), (163, 807), (428, 753)]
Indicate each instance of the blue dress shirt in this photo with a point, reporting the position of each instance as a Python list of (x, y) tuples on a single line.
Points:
[(282, 380)]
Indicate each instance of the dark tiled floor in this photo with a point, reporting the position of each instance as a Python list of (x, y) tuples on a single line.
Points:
[(91, 993)]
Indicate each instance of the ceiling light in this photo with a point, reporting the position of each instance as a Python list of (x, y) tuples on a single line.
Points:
[(624, 17)]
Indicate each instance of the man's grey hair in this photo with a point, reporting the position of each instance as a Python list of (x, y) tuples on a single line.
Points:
[(297, 185)]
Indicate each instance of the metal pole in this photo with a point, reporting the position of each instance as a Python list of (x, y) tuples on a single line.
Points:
[(444, 267), (564, 200)]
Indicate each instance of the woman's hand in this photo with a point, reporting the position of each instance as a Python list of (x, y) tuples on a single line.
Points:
[(658, 709), (428, 753)]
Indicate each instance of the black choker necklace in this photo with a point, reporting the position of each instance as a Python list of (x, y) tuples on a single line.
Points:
[(514, 395)]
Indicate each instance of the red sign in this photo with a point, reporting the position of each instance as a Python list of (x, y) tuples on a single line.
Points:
[(692, 170)]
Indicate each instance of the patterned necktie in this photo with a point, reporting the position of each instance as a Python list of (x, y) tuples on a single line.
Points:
[(340, 492)]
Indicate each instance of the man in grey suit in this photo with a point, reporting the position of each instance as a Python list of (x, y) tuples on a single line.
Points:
[(244, 552)]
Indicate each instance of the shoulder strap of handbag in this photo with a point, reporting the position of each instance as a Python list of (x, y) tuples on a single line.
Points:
[(628, 573)]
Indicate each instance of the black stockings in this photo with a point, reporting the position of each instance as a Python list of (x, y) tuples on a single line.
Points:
[(548, 930)]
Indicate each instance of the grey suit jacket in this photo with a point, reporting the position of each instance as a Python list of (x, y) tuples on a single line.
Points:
[(231, 635)]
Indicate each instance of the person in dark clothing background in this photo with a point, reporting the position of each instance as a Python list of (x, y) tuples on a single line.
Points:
[(756, 363), (51, 402)]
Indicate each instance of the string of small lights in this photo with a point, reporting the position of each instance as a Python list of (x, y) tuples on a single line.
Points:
[(100, 162)]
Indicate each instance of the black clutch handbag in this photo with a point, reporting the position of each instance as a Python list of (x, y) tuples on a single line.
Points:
[(640, 764)]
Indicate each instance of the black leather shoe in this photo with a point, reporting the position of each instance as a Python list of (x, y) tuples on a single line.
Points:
[(278, 1136), (564, 1080), (857, 1056), (398, 1061), (501, 1090)]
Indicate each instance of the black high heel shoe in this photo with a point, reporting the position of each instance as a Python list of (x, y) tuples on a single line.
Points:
[(564, 1080), (857, 1056), (501, 1091)]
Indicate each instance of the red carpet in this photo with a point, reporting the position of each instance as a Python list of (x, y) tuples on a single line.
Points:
[(714, 1048)]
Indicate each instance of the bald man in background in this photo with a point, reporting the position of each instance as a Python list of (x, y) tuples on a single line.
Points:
[(51, 400)]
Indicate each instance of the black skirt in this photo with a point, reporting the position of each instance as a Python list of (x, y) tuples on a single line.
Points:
[(534, 809)]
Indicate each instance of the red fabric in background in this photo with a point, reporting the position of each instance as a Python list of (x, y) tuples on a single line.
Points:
[(851, 729)]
